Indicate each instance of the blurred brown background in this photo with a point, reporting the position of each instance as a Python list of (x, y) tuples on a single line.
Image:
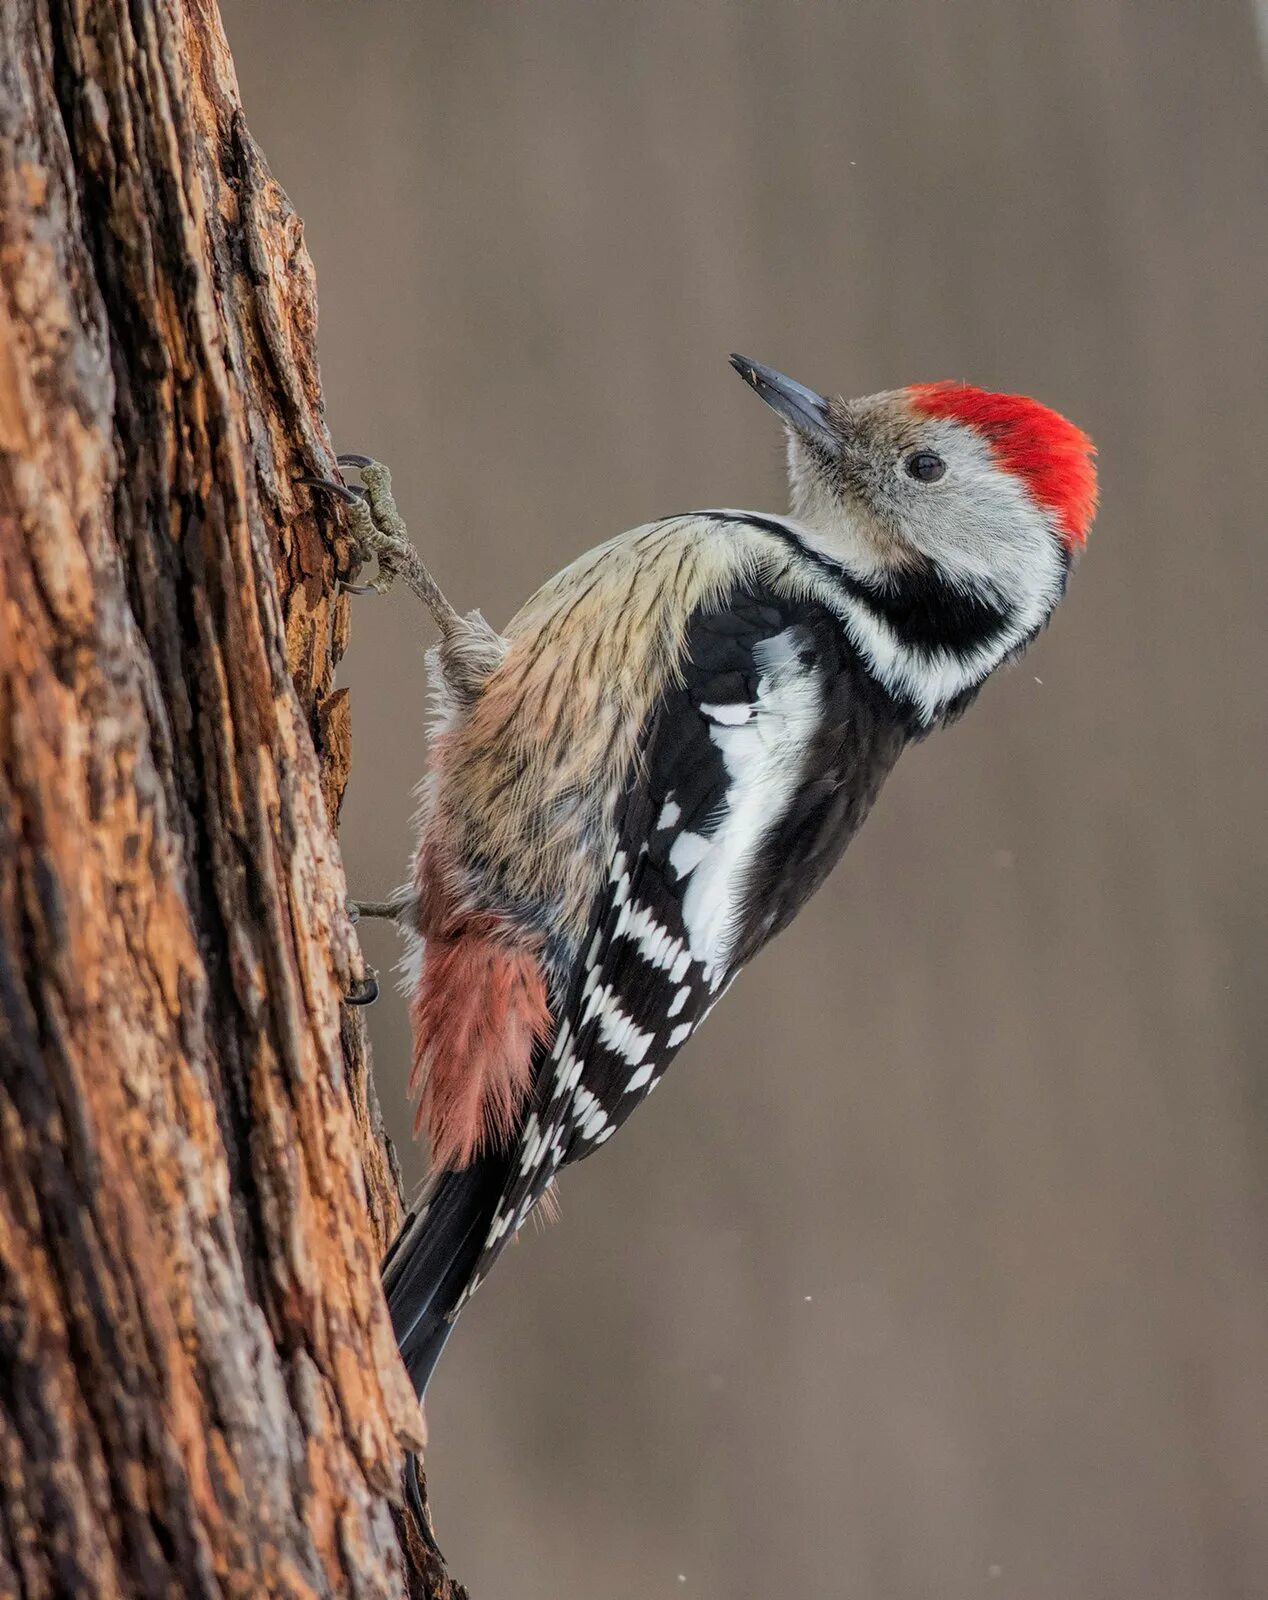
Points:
[(939, 1267)]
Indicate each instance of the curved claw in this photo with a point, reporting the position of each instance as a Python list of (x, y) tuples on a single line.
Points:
[(352, 493), (414, 1498), (364, 991), (351, 460), (359, 588)]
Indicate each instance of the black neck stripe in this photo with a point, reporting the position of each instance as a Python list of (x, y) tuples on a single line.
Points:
[(928, 613), (922, 606)]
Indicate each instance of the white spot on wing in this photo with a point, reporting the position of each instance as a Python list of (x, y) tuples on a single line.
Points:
[(531, 1144), (594, 1124), (658, 947), (618, 1032), (591, 1118), (641, 1078)]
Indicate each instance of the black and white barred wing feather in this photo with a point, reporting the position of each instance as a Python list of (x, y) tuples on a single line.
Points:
[(684, 903)]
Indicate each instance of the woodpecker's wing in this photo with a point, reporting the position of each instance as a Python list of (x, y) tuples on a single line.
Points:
[(758, 764)]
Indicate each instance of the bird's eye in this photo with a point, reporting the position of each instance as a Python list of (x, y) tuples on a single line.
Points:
[(925, 467)]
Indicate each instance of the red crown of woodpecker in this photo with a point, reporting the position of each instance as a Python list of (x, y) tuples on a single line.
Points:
[(1045, 450)]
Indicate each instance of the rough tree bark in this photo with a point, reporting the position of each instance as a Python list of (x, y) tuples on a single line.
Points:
[(199, 1389)]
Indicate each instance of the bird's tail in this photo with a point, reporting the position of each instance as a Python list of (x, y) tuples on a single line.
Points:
[(428, 1266), (430, 1262)]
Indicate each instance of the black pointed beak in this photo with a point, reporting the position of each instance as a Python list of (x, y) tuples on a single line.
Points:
[(801, 408)]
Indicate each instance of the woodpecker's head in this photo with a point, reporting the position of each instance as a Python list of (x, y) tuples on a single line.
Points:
[(952, 514)]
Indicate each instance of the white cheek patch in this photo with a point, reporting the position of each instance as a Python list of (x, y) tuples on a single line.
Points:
[(763, 753), (931, 679)]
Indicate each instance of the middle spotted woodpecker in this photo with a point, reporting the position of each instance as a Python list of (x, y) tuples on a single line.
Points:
[(649, 775)]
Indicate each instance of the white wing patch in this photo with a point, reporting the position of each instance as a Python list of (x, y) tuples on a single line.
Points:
[(687, 852), (763, 751)]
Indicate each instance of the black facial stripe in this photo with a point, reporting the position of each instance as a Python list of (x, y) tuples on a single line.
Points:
[(922, 606)]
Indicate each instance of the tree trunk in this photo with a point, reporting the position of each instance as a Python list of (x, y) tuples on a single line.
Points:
[(199, 1388)]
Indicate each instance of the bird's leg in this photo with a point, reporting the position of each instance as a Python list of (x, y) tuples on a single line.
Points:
[(390, 910), (365, 991)]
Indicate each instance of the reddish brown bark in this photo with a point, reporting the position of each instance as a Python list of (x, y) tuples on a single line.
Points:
[(199, 1388)]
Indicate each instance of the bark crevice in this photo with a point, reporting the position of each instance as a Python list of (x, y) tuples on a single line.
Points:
[(199, 1390)]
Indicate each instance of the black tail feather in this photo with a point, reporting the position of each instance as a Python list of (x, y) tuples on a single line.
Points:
[(430, 1262), (425, 1271)]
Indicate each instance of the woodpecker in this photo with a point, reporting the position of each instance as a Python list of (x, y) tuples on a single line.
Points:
[(647, 776)]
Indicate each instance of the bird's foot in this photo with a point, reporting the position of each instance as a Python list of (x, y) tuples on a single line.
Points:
[(379, 531), (377, 525)]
